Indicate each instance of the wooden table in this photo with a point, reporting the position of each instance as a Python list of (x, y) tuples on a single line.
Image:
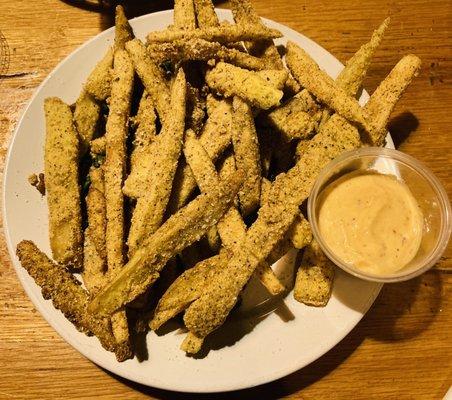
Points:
[(401, 349)]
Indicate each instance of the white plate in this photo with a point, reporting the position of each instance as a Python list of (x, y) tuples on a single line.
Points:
[(257, 346)]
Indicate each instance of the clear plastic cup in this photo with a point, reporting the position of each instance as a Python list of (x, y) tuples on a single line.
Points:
[(425, 187)]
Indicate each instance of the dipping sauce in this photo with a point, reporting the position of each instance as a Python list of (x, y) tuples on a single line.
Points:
[(371, 221)]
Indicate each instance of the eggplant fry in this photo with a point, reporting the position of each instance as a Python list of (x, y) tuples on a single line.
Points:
[(62, 186)]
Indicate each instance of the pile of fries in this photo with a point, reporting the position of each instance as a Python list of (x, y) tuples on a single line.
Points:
[(181, 170)]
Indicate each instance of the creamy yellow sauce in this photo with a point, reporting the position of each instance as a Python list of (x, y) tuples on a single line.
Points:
[(371, 221)]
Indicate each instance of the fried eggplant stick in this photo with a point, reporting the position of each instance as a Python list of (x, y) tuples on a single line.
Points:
[(184, 14), (230, 80), (150, 208), (351, 77), (86, 118), (60, 286), (223, 34), (289, 190), (140, 162), (297, 118), (300, 234), (98, 83), (231, 227), (115, 161), (178, 232), (215, 138), (203, 50), (123, 30), (315, 275), (310, 76), (205, 14), (114, 171), (247, 156), (62, 186), (150, 75), (95, 255)]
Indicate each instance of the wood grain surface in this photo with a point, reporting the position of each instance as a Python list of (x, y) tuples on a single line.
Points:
[(402, 347)]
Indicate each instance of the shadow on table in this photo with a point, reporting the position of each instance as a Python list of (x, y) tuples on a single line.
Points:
[(401, 126), (133, 8)]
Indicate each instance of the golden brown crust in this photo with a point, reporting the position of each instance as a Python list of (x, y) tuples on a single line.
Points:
[(314, 281), (247, 156), (65, 291), (230, 80), (123, 30), (98, 83), (115, 161), (225, 33), (184, 14), (63, 191), (203, 50), (141, 159), (86, 117), (205, 13)]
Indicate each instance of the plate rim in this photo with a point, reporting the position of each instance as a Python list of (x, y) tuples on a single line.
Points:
[(93, 357)]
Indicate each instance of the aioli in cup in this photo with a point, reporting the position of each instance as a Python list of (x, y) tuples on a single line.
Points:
[(371, 221)]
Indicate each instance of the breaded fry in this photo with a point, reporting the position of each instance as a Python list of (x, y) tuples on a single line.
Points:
[(184, 14), (115, 162), (385, 97), (203, 50), (300, 232), (315, 276), (309, 75), (186, 289), (178, 232), (231, 227), (351, 77), (150, 75), (98, 83), (215, 137), (191, 344), (123, 30), (205, 13), (150, 208), (275, 77), (234, 81), (225, 33), (141, 158), (62, 186), (86, 118), (65, 292), (297, 118), (95, 255), (247, 156)]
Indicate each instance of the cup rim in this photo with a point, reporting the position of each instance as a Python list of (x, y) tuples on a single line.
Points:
[(421, 169)]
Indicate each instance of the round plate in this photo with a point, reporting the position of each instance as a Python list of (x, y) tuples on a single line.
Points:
[(257, 345)]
